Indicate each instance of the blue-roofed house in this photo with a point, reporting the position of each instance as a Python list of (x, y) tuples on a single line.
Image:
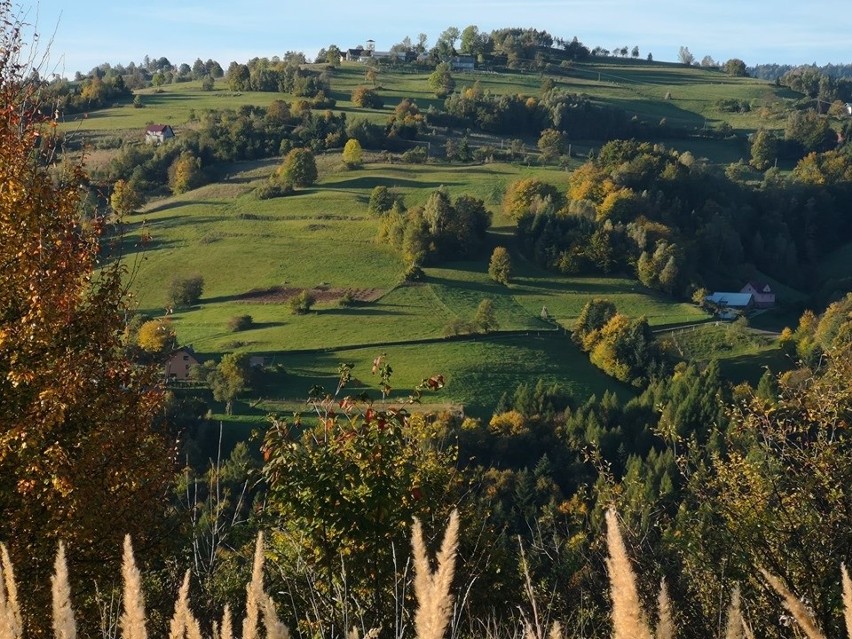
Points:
[(730, 305)]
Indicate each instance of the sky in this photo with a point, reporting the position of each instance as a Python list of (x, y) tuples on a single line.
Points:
[(86, 33)]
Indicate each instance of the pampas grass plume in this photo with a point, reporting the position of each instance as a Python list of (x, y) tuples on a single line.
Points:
[(665, 619), (254, 592), (132, 620), (847, 598), (432, 589), (64, 624), (795, 606), (183, 622), (11, 624), (628, 621), (735, 626), (227, 631), (274, 628)]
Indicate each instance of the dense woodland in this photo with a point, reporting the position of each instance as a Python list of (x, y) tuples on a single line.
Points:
[(712, 479)]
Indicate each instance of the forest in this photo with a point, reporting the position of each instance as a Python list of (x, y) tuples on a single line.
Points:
[(680, 500)]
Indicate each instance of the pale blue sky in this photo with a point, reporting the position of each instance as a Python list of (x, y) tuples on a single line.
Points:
[(89, 32)]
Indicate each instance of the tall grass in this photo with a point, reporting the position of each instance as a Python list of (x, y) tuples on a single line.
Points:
[(432, 588), (11, 625), (628, 618), (64, 624)]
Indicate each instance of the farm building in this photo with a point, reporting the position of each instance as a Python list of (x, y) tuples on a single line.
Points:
[(463, 63), (179, 363), (352, 55), (158, 133), (729, 305), (764, 296)]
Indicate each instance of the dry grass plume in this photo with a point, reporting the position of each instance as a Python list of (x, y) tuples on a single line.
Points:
[(64, 624), (132, 620), (847, 598), (184, 623), (735, 625), (800, 613), (432, 589), (11, 624), (665, 619), (628, 620), (254, 592)]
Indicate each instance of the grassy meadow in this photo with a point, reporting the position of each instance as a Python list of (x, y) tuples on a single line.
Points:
[(253, 254)]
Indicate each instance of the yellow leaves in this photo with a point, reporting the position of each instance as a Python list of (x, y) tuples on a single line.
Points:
[(509, 424)]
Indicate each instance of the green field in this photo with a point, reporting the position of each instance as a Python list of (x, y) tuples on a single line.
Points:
[(253, 254)]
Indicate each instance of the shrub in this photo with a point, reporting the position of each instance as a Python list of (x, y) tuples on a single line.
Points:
[(415, 156), (185, 290), (353, 154), (272, 190), (413, 274), (302, 303), (367, 98), (458, 326), (240, 323)]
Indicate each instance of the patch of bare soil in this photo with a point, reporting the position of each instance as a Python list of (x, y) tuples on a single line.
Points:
[(282, 294)]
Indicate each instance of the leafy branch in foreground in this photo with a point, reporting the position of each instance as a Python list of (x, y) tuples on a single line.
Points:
[(345, 482)]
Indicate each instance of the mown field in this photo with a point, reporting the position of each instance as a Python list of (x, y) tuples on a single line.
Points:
[(254, 253)]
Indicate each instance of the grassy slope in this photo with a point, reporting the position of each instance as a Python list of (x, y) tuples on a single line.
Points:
[(325, 235)]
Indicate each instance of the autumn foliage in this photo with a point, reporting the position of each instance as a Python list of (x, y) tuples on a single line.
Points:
[(75, 414)]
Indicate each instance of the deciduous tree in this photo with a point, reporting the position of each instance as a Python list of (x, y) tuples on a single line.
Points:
[(485, 319), (125, 198), (76, 416), (500, 265), (352, 153), (156, 336), (299, 168), (185, 173), (441, 80), (229, 379)]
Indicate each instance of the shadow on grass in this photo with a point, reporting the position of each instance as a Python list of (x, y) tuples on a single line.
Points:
[(360, 311), (368, 182), (168, 206)]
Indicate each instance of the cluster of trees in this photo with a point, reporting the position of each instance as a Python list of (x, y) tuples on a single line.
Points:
[(286, 75), (252, 132), (621, 347), (106, 84), (677, 224), (441, 229)]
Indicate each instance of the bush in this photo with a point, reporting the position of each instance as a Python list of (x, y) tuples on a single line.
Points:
[(272, 190), (302, 303), (458, 326), (413, 274), (367, 98), (240, 323), (346, 300), (185, 290), (415, 156)]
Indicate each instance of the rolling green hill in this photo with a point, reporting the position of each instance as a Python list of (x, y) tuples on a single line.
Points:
[(253, 254)]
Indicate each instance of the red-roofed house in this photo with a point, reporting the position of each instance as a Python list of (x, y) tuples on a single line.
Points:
[(158, 133), (764, 296)]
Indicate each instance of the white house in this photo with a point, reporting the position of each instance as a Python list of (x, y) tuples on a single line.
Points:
[(158, 133), (764, 296)]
